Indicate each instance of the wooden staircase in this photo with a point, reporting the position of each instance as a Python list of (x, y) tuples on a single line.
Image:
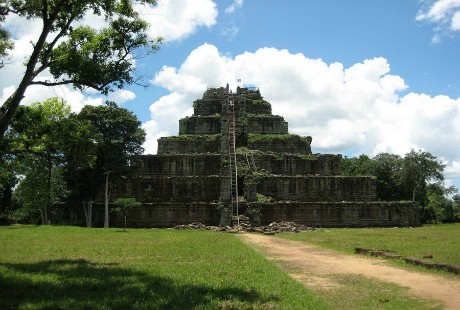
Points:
[(232, 158)]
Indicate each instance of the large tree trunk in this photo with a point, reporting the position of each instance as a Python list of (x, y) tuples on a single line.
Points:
[(106, 201), (10, 106)]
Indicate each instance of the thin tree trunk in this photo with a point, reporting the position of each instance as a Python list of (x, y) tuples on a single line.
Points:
[(88, 208), (90, 213), (413, 194), (125, 221), (86, 213), (42, 218), (48, 189), (106, 202)]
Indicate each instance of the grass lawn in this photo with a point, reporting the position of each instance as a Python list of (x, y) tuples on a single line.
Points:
[(440, 241), (79, 268)]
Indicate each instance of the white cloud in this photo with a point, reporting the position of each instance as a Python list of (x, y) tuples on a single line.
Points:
[(455, 23), (358, 109), (121, 96), (175, 20), (445, 14), (237, 4)]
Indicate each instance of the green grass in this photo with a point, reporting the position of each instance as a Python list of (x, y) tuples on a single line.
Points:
[(440, 241), (359, 292), (80, 268)]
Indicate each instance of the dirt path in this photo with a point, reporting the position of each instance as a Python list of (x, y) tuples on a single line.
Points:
[(313, 266)]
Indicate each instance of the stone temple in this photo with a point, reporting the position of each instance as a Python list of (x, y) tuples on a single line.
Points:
[(234, 158)]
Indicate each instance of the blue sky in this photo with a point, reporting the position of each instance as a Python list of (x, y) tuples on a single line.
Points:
[(360, 76)]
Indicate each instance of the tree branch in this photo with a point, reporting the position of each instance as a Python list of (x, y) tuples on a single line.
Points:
[(50, 46), (66, 82)]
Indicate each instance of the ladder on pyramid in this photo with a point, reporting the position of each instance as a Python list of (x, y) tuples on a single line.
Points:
[(232, 158)]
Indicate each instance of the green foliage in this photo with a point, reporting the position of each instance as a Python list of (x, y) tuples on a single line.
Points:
[(419, 169), (34, 196), (407, 178), (62, 154), (264, 199), (439, 208), (78, 54), (118, 137), (37, 142), (193, 137), (123, 205), (74, 268), (6, 44), (276, 138), (357, 166)]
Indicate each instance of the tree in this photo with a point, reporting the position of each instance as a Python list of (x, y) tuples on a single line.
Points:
[(37, 196), (6, 44), (420, 168), (439, 208), (37, 139), (123, 205), (80, 172), (387, 170), (119, 138), (76, 54), (357, 166)]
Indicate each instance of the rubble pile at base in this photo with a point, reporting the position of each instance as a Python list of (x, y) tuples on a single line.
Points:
[(275, 227)]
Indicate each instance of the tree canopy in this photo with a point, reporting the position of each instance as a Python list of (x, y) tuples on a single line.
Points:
[(60, 155), (417, 176), (74, 53)]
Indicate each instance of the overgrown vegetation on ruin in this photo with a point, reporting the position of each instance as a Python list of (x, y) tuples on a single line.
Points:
[(192, 137), (75, 268), (276, 138)]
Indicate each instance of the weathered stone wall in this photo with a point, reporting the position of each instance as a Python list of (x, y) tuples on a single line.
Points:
[(343, 214), (318, 188), (291, 164), (318, 214), (207, 107), (267, 125), (177, 164), (286, 143), (148, 189), (168, 215), (200, 125), (191, 144)]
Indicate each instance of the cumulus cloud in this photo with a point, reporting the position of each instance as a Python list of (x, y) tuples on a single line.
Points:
[(121, 96), (445, 14), (237, 4), (175, 20), (359, 109)]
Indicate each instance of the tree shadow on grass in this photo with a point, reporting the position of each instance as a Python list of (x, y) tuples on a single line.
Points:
[(79, 284)]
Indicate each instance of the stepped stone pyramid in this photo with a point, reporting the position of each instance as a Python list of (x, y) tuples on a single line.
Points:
[(233, 157)]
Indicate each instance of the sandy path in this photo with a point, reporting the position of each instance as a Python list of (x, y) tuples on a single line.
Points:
[(313, 265)]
